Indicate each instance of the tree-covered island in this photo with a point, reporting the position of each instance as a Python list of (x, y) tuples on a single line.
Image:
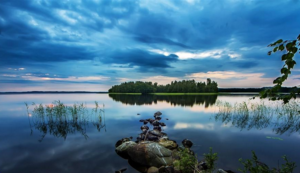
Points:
[(184, 86)]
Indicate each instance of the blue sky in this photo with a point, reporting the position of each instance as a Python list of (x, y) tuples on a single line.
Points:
[(91, 45)]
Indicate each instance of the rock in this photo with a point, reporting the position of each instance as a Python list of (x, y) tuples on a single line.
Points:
[(166, 169), (150, 120), (141, 137), (157, 128), (158, 118), (152, 137), (144, 127), (187, 143), (153, 169), (119, 142), (162, 124), (221, 171), (138, 167), (170, 144), (156, 132), (224, 171), (155, 123), (148, 153), (158, 113), (121, 170), (202, 165), (144, 131), (122, 150)]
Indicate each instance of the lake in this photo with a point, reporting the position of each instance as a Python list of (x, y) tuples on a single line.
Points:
[(32, 145)]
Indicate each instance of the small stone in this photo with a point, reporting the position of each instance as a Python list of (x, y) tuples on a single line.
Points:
[(121, 170), (187, 143), (162, 124), (155, 123), (119, 142), (158, 118), (144, 127), (170, 144), (166, 169), (202, 165), (152, 169), (157, 128), (158, 113)]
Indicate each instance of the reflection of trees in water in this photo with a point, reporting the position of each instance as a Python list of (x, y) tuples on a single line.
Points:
[(247, 115), (181, 100), (60, 120)]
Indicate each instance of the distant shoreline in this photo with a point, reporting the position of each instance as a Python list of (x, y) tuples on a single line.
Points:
[(87, 92), (55, 92), (219, 93)]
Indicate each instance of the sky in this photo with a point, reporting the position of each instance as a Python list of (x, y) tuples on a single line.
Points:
[(78, 45)]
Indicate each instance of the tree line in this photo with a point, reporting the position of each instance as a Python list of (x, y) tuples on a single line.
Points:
[(184, 86)]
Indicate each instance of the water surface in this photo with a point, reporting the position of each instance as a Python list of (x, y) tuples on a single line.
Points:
[(26, 148)]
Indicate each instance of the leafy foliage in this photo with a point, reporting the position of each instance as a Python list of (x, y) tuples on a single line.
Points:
[(290, 47), (255, 166), (187, 163), (185, 86), (210, 159)]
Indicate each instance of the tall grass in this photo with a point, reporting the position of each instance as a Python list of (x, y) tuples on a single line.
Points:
[(248, 115), (60, 120)]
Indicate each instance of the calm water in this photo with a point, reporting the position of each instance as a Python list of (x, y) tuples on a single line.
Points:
[(192, 117)]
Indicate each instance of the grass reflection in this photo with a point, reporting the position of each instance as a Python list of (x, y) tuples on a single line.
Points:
[(284, 118), (59, 120)]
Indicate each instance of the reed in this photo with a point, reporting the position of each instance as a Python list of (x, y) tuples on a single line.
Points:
[(60, 120)]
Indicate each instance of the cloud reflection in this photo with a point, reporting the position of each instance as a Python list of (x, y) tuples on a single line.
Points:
[(208, 126)]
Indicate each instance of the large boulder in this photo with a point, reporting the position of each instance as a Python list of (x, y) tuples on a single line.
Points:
[(150, 154), (122, 149)]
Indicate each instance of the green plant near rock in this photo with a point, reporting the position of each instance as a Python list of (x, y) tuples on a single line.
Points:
[(254, 166), (187, 163), (210, 159)]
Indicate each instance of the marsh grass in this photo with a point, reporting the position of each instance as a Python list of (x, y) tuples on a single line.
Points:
[(259, 115), (60, 120)]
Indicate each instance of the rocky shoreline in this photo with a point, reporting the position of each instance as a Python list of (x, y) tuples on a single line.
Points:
[(154, 152)]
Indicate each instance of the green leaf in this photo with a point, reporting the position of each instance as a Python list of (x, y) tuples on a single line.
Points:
[(279, 41), (284, 70), (290, 63), (281, 47), (275, 49), (284, 77), (288, 46), (277, 80), (269, 53), (284, 57), (289, 56), (294, 49)]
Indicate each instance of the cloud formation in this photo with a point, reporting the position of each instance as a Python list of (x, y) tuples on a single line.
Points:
[(138, 40)]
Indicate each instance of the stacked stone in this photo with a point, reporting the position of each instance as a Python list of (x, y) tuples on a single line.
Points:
[(156, 133), (153, 152)]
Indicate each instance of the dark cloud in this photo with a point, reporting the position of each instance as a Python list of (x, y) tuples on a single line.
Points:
[(150, 40), (146, 61)]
